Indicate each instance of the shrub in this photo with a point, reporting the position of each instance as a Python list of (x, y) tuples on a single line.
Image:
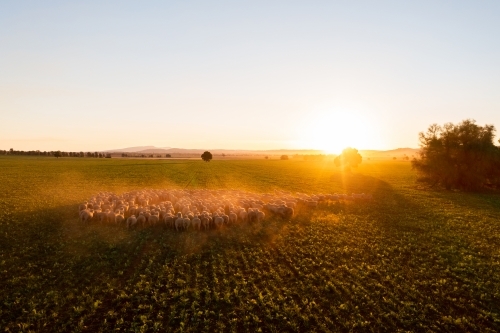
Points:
[(284, 157)]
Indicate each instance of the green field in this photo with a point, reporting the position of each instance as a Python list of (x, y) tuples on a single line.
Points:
[(414, 259)]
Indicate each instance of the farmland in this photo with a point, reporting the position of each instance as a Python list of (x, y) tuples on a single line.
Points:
[(413, 259)]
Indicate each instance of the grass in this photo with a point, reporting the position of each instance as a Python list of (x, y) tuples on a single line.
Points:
[(414, 259)]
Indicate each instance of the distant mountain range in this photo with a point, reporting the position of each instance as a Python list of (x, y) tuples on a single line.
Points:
[(181, 151), (136, 149)]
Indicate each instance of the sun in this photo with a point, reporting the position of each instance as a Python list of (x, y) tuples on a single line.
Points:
[(333, 131)]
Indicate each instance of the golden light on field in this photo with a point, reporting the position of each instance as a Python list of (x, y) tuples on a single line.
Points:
[(332, 131)]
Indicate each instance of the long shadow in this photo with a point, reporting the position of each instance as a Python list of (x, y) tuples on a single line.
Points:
[(47, 252), (431, 236)]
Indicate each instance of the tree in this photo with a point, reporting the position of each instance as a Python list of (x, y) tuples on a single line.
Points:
[(350, 158), (461, 156), (284, 157), (57, 154), (206, 156), (168, 155)]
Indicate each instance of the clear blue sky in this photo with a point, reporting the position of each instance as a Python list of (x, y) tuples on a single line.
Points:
[(92, 75)]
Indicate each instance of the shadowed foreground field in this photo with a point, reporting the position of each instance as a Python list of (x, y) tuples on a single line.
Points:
[(411, 260)]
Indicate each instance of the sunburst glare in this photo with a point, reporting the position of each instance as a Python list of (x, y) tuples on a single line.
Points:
[(332, 131)]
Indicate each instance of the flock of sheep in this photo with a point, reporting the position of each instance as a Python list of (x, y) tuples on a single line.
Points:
[(198, 209)]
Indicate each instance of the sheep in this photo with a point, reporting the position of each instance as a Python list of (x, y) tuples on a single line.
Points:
[(147, 215), (233, 218), (260, 216), (141, 220), (200, 208), (86, 215), (196, 222), (179, 222), (131, 221), (111, 217), (205, 222), (187, 223), (154, 219), (120, 218), (83, 206), (218, 221), (243, 215), (311, 203), (169, 220), (103, 216), (251, 215)]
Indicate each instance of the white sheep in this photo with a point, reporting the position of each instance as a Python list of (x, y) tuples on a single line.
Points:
[(154, 219), (233, 218), (205, 222), (218, 221), (196, 222), (179, 222), (243, 215), (260, 216), (120, 218), (141, 220), (86, 215), (187, 223), (131, 221)]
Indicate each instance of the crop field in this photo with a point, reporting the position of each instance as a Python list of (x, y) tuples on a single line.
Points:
[(412, 260)]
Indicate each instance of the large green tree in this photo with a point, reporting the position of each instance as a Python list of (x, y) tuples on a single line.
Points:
[(461, 156)]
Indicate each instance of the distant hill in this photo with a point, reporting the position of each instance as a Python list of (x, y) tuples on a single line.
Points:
[(226, 151), (134, 149), (399, 152)]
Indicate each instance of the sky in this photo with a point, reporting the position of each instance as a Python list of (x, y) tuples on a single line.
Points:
[(97, 75)]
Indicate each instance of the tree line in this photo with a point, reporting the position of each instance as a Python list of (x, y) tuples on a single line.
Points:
[(56, 153)]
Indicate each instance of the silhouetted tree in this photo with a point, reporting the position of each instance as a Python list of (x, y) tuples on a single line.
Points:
[(459, 156), (350, 158), (57, 154), (284, 157), (206, 156), (168, 155)]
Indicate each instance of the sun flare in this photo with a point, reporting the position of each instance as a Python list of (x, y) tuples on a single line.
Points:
[(333, 131)]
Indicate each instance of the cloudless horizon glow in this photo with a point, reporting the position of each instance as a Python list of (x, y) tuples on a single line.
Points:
[(243, 75)]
